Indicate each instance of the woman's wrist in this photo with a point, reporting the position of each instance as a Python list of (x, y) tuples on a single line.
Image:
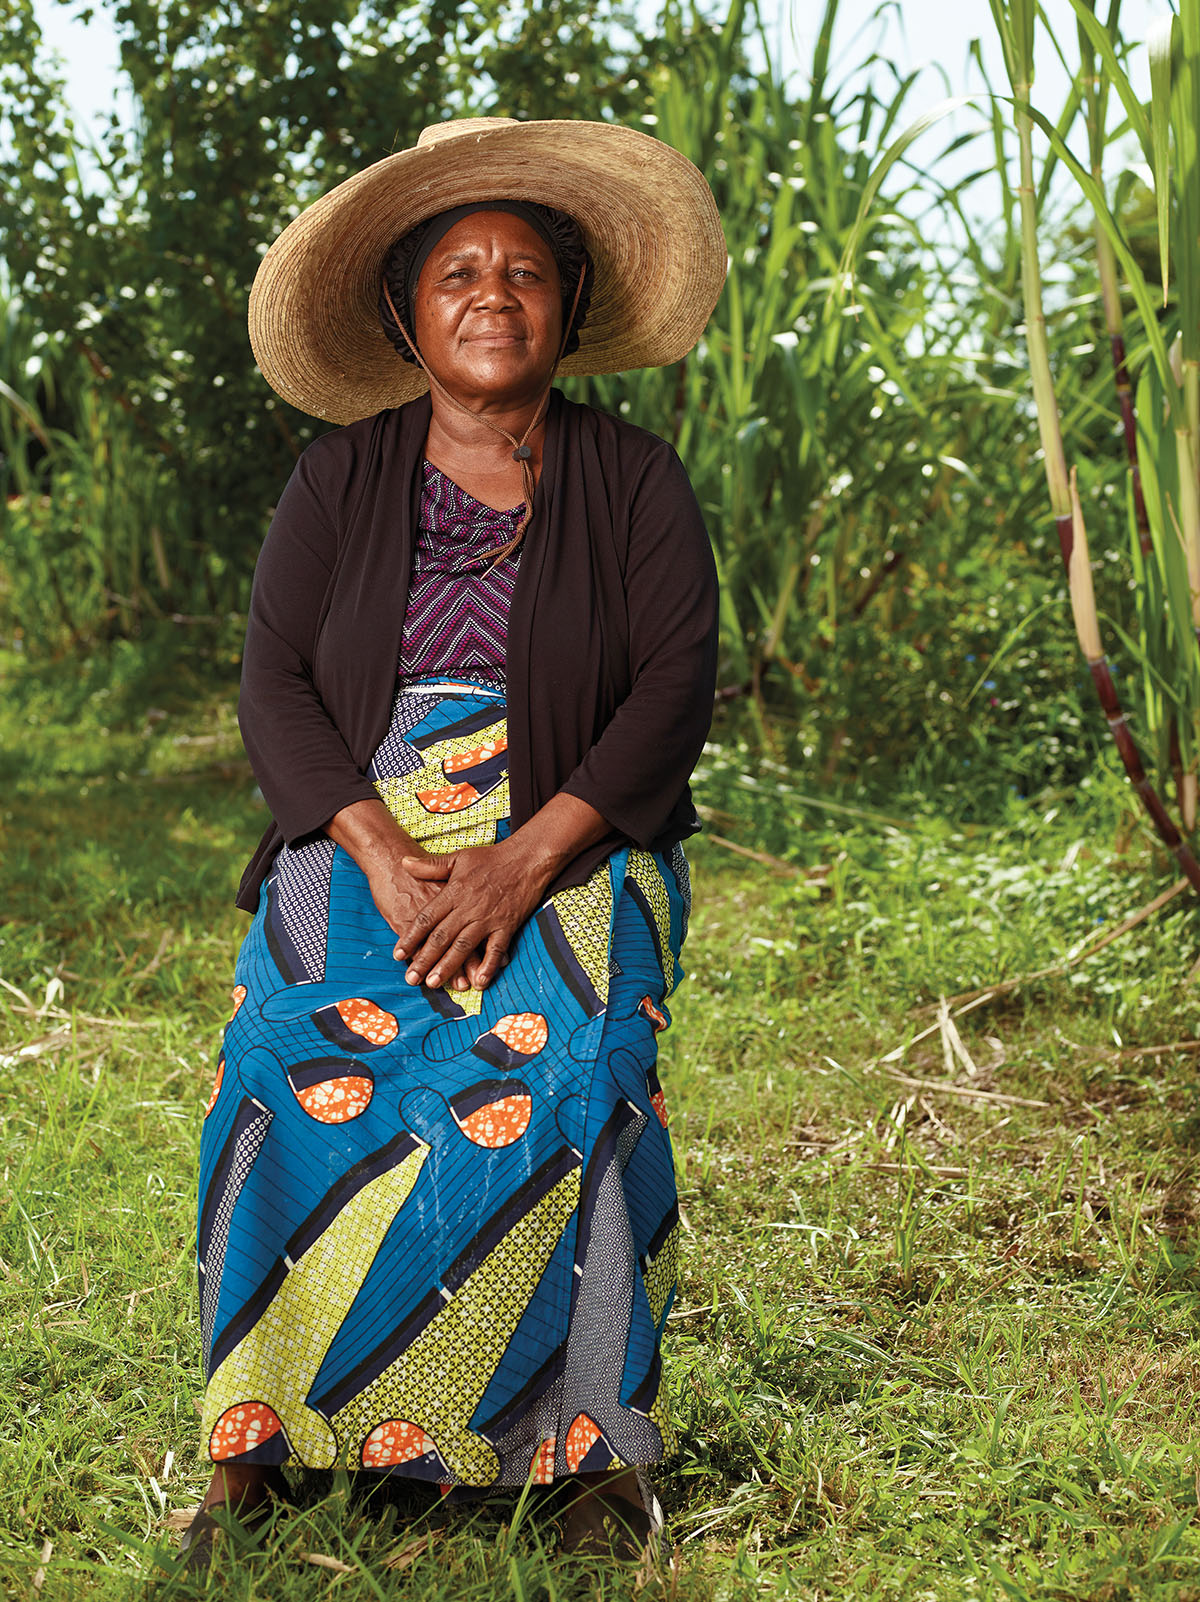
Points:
[(371, 835), (532, 866), (555, 835)]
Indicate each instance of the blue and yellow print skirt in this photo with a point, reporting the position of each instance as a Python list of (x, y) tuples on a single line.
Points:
[(437, 1229)]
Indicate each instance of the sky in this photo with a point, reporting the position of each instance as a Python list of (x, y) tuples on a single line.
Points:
[(933, 35)]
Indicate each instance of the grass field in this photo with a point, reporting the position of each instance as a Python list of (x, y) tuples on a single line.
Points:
[(937, 1333)]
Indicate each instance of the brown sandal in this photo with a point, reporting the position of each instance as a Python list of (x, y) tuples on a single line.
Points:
[(199, 1539), (601, 1524)]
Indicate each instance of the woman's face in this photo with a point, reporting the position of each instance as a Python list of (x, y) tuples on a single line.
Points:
[(488, 309)]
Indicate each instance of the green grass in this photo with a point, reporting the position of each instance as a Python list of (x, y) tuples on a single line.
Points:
[(928, 1344)]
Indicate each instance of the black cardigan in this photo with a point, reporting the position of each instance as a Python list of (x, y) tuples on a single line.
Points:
[(612, 638)]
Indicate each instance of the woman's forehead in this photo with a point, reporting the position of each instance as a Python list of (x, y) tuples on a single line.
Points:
[(485, 230)]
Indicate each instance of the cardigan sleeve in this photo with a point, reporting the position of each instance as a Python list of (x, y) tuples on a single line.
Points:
[(636, 772), (302, 763)]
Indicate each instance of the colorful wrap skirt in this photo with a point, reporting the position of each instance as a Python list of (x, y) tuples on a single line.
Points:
[(438, 1230)]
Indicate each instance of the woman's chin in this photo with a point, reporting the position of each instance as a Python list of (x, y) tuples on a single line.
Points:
[(500, 372)]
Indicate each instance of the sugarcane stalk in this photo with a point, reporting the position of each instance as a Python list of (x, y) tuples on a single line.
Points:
[(1116, 343), (1054, 456), (1061, 484), (1175, 763), (1185, 784), (1095, 102), (1186, 432), (1087, 627), (1174, 49)]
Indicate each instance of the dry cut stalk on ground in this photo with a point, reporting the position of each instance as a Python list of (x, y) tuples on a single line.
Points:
[(951, 1007), (967, 1000)]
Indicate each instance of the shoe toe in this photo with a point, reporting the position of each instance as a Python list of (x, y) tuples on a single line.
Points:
[(196, 1544)]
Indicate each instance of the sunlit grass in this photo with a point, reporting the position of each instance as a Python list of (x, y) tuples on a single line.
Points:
[(932, 1338)]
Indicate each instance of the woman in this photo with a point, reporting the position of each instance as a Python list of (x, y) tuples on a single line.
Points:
[(437, 1220)]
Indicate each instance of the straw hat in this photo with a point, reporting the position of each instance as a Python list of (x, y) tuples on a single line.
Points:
[(647, 215)]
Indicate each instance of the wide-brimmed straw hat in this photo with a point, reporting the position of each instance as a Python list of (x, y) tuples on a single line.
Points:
[(647, 215)]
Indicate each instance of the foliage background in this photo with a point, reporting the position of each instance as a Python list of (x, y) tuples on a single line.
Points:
[(869, 471), (937, 1328)]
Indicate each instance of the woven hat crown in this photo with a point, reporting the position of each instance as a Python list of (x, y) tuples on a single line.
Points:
[(438, 132)]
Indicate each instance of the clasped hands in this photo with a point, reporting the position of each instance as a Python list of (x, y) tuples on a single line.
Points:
[(455, 915)]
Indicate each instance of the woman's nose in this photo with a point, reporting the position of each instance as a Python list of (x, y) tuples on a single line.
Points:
[(494, 290)]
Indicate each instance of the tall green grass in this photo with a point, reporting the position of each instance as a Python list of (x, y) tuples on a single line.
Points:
[(88, 508), (838, 454), (1163, 444), (831, 445)]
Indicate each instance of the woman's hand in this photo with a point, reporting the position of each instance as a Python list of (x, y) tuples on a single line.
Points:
[(474, 903), (455, 915), (399, 895), (382, 849)]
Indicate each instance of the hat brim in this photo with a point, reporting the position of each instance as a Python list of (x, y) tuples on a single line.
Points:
[(647, 215)]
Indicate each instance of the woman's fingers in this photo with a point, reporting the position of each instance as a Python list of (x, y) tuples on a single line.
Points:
[(468, 905), (478, 949), (443, 953), (421, 925), (472, 967), (482, 966), (429, 868), (494, 955)]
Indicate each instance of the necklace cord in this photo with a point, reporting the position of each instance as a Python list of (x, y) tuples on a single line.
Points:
[(521, 451)]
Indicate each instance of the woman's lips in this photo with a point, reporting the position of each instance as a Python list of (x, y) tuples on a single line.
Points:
[(495, 339)]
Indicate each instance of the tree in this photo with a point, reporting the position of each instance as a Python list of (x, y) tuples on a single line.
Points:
[(245, 112)]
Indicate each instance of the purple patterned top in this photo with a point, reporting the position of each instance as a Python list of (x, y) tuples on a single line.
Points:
[(458, 602)]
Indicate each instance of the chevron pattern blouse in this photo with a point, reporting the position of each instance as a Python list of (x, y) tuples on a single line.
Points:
[(458, 599)]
